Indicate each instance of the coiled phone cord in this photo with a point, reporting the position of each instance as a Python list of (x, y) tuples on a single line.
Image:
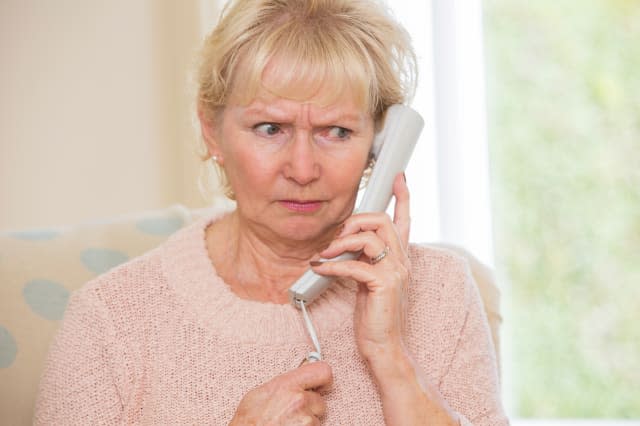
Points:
[(317, 354)]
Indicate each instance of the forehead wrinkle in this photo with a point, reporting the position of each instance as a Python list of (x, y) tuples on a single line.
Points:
[(308, 112), (328, 116), (258, 107)]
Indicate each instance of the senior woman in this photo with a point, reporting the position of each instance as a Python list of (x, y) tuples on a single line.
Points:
[(200, 330)]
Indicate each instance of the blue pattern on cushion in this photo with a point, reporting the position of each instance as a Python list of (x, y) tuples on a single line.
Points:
[(100, 260), (160, 225), (35, 234), (46, 298), (8, 348)]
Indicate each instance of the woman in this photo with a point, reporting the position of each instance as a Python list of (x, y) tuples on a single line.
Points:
[(200, 330)]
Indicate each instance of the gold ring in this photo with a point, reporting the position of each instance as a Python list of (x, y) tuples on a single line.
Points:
[(381, 256)]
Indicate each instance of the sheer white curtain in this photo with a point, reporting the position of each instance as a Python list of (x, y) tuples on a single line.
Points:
[(451, 194)]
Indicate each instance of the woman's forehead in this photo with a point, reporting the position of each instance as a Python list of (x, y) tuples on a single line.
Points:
[(267, 106), (322, 86)]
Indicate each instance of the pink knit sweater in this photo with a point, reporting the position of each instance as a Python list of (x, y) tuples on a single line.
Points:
[(162, 340)]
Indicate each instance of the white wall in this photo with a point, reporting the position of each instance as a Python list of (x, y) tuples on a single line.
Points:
[(94, 112)]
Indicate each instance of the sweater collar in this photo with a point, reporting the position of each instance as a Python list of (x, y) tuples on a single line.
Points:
[(192, 276)]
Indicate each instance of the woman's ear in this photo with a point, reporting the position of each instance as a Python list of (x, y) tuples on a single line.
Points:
[(210, 135)]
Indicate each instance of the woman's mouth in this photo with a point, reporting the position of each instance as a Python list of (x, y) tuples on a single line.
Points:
[(301, 206)]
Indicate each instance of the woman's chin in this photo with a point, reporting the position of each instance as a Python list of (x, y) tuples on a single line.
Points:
[(305, 230)]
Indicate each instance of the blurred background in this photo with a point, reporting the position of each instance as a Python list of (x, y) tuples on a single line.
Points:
[(530, 158), (95, 111), (564, 108)]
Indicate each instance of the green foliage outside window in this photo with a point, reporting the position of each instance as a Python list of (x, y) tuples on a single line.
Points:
[(564, 113)]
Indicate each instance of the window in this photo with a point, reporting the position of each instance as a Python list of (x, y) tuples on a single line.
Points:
[(563, 126), (564, 108)]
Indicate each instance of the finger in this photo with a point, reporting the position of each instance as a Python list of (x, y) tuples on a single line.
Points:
[(368, 242), (380, 223), (356, 270), (401, 210), (310, 376), (369, 221), (316, 403)]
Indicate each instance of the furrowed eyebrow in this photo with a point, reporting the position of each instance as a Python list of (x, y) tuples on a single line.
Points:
[(352, 119), (268, 112), (322, 118)]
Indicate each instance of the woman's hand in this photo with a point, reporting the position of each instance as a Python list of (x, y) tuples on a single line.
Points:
[(380, 303), (288, 399), (407, 397)]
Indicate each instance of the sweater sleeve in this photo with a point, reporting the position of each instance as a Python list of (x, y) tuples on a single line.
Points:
[(78, 385), (471, 383)]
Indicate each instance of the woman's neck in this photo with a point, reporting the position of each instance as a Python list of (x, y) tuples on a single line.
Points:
[(254, 263)]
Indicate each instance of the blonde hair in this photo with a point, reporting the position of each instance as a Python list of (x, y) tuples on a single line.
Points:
[(353, 45)]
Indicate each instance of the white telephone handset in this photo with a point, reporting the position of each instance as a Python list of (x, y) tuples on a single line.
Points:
[(392, 148)]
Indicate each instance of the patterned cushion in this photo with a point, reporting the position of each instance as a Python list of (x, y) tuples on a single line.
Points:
[(39, 269)]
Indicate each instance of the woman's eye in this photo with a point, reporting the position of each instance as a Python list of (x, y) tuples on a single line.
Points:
[(339, 133), (267, 129)]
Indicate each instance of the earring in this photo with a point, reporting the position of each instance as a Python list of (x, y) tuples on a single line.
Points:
[(366, 174), (214, 158)]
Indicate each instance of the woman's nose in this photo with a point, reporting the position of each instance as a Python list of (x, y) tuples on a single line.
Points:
[(302, 163)]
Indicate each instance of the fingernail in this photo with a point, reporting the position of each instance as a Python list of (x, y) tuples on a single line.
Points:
[(404, 177), (315, 263)]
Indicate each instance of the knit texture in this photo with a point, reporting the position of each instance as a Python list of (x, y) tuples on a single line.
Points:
[(163, 340)]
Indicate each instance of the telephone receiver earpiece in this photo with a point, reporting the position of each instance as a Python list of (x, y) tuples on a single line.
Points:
[(392, 148)]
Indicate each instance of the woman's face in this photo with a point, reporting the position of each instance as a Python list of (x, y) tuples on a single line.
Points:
[(294, 166)]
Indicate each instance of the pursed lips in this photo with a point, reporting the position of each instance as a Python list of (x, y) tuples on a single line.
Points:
[(301, 206)]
